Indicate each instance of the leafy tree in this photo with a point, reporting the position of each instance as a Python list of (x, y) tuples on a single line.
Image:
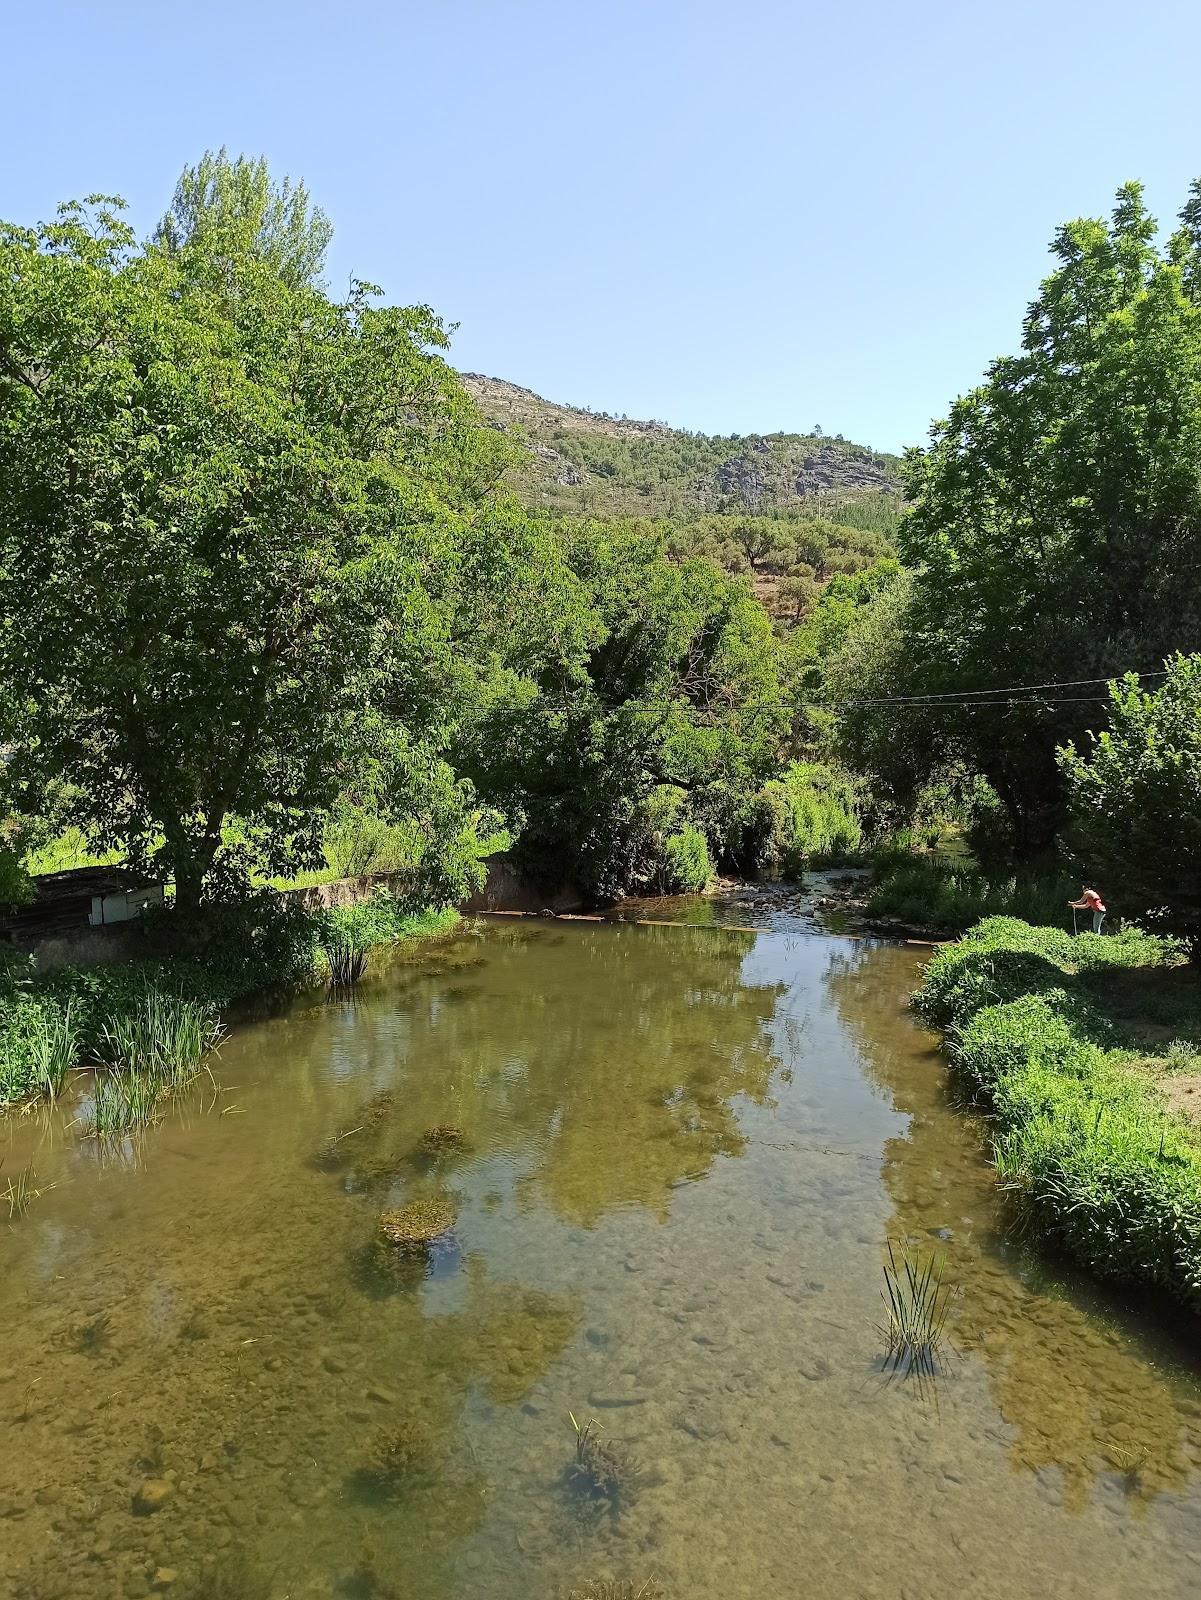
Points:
[(223, 196), (660, 677), (1135, 799), (237, 521), (1057, 511)]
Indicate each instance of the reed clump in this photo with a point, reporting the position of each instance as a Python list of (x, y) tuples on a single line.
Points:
[(53, 1051), (412, 1229), (164, 1038), (601, 1471), (123, 1102), (20, 1192), (347, 961), (918, 1300)]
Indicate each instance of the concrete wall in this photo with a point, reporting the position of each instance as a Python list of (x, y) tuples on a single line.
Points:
[(504, 890)]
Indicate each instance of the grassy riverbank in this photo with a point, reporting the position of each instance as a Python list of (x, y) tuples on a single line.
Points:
[(1076, 1045), (53, 1022)]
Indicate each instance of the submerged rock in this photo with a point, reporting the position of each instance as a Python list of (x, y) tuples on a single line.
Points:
[(442, 1138), (152, 1496), (413, 1228)]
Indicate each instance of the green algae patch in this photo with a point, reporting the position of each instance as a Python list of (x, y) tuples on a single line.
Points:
[(444, 1138), (411, 1229)]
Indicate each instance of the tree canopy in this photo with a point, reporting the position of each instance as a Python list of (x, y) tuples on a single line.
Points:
[(234, 515), (278, 220), (1056, 515), (1135, 799)]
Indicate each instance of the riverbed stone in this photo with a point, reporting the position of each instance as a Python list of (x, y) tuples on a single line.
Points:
[(152, 1496)]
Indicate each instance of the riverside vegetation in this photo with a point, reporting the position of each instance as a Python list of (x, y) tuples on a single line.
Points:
[(1049, 1033), (283, 593)]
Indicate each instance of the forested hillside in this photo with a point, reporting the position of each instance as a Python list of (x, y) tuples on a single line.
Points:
[(591, 463)]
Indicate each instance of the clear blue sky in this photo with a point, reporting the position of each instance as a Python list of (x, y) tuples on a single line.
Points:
[(734, 217)]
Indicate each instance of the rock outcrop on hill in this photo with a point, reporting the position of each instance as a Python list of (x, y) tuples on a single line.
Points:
[(588, 462)]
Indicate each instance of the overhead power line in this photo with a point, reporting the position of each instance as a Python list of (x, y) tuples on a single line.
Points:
[(951, 700)]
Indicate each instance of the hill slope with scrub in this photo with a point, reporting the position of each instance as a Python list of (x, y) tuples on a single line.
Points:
[(576, 460)]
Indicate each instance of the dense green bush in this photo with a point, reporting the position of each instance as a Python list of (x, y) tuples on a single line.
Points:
[(806, 817), (1135, 803), (684, 865), (941, 893), (1079, 1135)]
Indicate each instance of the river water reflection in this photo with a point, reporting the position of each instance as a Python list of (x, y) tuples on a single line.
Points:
[(685, 1150)]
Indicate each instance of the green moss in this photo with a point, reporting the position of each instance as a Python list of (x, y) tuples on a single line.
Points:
[(413, 1228), (399, 1453)]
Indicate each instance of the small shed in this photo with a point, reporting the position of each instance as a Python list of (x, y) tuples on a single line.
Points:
[(81, 898)]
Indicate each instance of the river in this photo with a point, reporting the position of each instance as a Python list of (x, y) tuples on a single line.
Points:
[(684, 1150)]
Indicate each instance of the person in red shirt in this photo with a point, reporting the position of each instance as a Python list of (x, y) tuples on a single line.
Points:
[(1090, 900)]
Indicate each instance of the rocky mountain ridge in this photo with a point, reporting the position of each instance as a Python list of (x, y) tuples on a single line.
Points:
[(588, 462)]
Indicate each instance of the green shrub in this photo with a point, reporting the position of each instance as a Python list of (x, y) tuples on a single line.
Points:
[(937, 892), (684, 865), (807, 817), (1080, 1137)]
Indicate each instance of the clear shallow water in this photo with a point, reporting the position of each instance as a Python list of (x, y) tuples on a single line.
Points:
[(688, 1147)]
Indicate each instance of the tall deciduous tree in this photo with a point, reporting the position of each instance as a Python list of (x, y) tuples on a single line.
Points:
[(1056, 527), (234, 517), (240, 197)]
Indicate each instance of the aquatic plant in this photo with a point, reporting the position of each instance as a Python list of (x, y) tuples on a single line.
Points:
[(1129, 1464), (332, 1152), (399, 1453), (122, 1102), (20, 1192), (918, 1301), (230, 1576), (411, 1229), (618, 1589), (347, 961), (163, 1037), (53, 1050), (442, 1138), (601, 1471), (90, 1334)]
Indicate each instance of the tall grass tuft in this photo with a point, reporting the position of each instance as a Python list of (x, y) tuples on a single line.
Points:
[(347, 960), (20, 1192), (53, 1051), (123, 1102), (163, 1038), (918, 1301)]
